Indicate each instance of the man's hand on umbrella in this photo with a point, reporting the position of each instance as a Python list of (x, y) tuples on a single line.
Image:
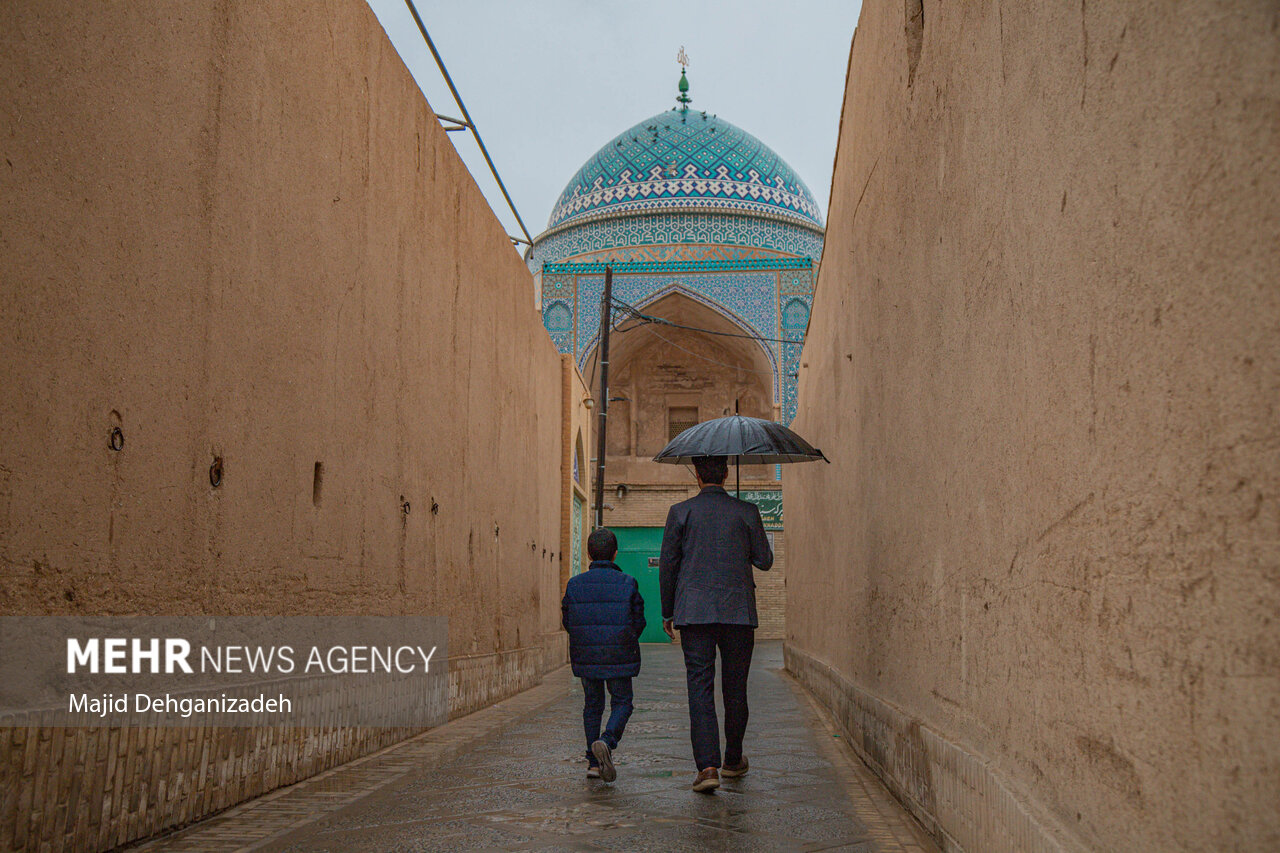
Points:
[(668, 625)]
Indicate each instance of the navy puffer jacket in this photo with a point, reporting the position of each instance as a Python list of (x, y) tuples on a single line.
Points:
[(604, 615)]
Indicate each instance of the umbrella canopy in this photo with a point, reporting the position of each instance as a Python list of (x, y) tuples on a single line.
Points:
[(753, 441)]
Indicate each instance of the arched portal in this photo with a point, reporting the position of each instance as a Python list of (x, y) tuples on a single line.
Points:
[(663, 379)]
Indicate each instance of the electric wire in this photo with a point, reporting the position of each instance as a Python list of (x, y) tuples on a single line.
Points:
[(468, 123), (696, 355), (649, 318)]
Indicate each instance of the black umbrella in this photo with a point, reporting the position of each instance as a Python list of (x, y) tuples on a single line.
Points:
[(754, 441)]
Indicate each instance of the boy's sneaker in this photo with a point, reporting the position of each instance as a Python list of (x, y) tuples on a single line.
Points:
[(604, 755), (708, 780), (593, 772), (729, 771)]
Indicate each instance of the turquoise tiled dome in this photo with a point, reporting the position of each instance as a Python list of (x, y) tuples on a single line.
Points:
[(685, 161)]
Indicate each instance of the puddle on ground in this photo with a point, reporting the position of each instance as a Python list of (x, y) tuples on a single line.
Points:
[(571, 820)]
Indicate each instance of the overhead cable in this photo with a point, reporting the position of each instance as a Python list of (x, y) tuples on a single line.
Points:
[(468, 123), (648, 318)]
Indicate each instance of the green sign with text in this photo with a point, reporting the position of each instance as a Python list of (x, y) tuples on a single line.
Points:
[(770, 503)]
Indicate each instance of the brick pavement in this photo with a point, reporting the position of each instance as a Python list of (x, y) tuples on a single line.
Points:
[(512, 777)]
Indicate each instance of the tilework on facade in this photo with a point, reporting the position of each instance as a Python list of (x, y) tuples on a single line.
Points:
[(662, 236), (681, 158), (676, 252), (766, 297), (748, 299), (793, 265), (685, 201), (575, 546), (794, 323)]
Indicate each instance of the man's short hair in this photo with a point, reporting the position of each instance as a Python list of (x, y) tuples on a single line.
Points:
[(602, 544), (711, 469)]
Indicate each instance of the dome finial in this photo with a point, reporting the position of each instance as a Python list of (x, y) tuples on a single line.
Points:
[(683, 98)]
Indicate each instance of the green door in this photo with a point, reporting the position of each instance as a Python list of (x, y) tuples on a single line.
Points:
[(638, 549)]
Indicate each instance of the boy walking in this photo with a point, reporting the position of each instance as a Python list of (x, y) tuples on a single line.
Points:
[(604, 614)]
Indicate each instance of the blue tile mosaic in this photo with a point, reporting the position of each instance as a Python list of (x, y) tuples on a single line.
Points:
[(663, 237), (685, 202), (681, 158)]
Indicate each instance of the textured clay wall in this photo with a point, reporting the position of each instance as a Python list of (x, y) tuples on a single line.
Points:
[(1039, 583), (577, 441), (235, 230)]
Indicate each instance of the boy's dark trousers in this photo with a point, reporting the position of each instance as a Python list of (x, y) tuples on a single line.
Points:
[(593, 710)]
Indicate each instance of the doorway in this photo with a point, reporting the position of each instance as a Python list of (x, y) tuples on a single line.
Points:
[(638, 549)]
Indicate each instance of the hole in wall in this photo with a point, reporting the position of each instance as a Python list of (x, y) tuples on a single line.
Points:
[(914, 27), (317, 484)]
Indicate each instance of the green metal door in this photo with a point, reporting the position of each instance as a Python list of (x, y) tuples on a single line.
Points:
[(638, 549)]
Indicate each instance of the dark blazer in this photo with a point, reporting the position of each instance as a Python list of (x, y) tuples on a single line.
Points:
[(604, 614), (708, 548)]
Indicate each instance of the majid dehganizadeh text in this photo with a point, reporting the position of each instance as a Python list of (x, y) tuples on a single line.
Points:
[(173, 655)]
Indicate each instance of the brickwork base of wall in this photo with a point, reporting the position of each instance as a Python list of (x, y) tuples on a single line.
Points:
[(955, 794), (555, 650), (90, 789), (476, 681), (87, 789)]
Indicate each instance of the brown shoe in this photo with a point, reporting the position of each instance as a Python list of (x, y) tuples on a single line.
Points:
[(708, 780), (604, 755), (729, 771)]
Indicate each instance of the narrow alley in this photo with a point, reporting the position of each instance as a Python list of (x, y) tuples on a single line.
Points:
[(935, 343), (512, 777)]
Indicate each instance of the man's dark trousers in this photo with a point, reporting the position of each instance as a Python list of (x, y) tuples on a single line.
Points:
[(620, 706), (699, 643)]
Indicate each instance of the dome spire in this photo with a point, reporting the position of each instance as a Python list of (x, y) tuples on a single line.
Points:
[(683, 98)]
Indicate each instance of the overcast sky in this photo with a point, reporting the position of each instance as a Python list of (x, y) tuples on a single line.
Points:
[(548, 82)]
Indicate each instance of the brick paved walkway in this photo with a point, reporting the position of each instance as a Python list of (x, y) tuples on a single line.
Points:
[(512, 777)]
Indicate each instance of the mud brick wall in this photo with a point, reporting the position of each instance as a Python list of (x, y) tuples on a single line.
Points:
[(236, 232), (1039, 581)]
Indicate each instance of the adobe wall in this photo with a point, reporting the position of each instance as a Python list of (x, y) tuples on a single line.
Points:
[(236, 231), (1039, 582), (577, 440)]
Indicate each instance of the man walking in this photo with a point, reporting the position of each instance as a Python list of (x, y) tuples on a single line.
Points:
[(710, 543)]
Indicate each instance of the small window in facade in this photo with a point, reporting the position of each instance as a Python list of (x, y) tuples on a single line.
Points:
[(679, 419)]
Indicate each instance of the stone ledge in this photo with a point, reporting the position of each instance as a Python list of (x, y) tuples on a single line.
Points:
[(955, 794)]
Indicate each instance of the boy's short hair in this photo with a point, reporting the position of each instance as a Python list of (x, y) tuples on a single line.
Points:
[(602, 544), (711, 469)]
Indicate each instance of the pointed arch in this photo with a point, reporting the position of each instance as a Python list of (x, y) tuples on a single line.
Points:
[(735, 323)]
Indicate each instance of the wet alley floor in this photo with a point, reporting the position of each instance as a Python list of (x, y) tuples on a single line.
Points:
[(513, 777)]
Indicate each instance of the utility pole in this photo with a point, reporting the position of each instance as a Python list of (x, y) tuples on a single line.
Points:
[(737, 460), (606, 320)]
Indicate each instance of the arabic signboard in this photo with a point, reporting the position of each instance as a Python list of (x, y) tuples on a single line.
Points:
[(770, 503)]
